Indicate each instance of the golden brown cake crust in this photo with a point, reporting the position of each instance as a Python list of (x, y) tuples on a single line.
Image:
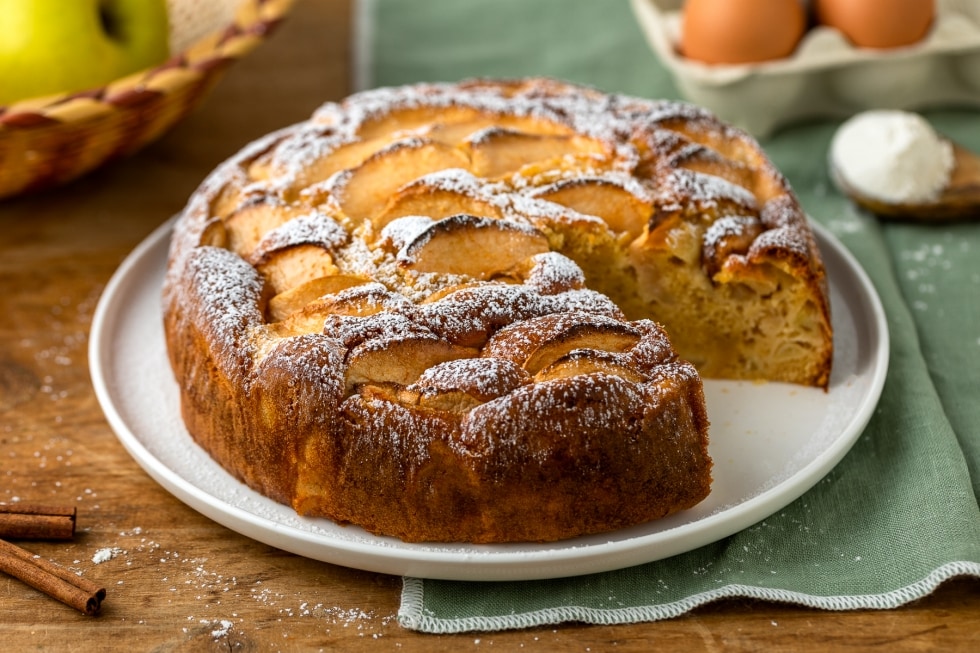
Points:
[(435, 311)]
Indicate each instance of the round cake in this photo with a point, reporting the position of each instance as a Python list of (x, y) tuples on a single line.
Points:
[(481, 312)]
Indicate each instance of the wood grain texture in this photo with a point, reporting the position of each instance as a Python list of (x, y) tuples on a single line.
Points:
[(177, 581)]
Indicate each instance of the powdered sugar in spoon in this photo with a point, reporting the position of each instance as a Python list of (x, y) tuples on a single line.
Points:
[(894, 165)]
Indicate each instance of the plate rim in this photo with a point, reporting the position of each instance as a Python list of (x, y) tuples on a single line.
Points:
[(482, 562)]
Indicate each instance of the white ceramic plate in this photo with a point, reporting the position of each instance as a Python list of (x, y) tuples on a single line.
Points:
[(770, 442)]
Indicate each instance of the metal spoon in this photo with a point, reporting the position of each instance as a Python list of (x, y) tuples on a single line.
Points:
[(959, 200)]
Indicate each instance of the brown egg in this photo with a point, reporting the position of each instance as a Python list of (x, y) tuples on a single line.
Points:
[(747, 31), (878, 23)]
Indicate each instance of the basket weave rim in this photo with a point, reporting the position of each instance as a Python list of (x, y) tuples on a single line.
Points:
[(253, 22)]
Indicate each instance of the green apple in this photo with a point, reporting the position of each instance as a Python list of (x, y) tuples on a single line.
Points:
[(54, 46)]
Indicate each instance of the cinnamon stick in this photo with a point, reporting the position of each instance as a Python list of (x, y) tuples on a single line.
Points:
[(33, 521), (54, 580)]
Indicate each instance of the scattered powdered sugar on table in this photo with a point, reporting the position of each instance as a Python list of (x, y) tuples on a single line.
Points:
[(106, 554), (220, 603), (928, 263), (222, 629)]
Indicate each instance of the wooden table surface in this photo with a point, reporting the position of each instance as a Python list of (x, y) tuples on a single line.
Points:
[(177, 581)]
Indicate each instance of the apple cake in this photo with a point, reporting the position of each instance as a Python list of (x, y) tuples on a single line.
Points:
[(481, 312)]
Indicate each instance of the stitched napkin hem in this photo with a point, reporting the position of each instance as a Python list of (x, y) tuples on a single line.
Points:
[(413, 615)]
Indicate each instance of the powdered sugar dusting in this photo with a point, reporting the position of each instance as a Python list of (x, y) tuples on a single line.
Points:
[(313, 228), (482, 378), (605, 404), (552, 272), (687, 189), (402, 231)]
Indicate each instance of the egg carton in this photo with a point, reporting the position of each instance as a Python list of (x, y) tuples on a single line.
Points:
[(827, 76)]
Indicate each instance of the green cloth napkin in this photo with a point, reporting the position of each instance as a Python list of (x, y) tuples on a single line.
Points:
[(899, 514)]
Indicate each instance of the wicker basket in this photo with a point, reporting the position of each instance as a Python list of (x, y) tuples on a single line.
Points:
[(48, 141)]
